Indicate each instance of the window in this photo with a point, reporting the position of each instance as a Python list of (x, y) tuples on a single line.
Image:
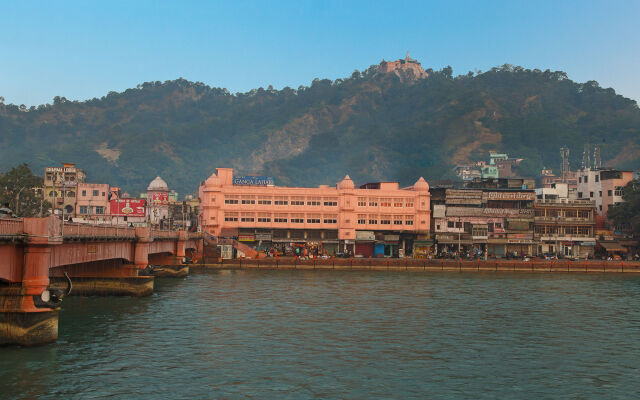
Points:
[(597, 178), (83, 210), (437, 227), (397, 202), (385, 202), (264, 201), (297, 201), (373, 202), (84, 192), (331, 202), (449, 224), (362, 219), (600, 193), (231, 200), (385, 220), (600, 207), (313, 201), (458, 224), (247, 218), (586, 179), (100, 210), (579, 179), (297, 218), (313, 219), (330, 219), (280, 218), (618, 191), (591, 194), (580, 194), (229, 217), (408, 203), (262, 217), (362, 201), (373, 219), (96, 192), (248, 200), (397, 220), (408, 220), (609, 192), (281, 201), (103, 194)]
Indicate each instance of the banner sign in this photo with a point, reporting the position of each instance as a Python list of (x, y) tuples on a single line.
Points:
[(253, 180), (488, 212), (246, 238), (159, 199), (511, 195), (128, 208)]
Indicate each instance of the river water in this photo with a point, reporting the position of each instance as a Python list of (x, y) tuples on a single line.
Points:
[(343, 335)]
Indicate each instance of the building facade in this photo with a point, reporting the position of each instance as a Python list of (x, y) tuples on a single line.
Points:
[(483, 222), (158, 201), (93, 201), (61, 188), (603, 186), (565, 227), (373, 220)]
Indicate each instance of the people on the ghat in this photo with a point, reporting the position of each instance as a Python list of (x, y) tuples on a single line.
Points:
[(6, 212)]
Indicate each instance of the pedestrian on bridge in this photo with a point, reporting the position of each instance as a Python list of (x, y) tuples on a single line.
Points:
[(5, 212)]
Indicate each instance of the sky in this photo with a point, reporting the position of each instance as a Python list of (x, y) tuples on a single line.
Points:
[(84, 49)]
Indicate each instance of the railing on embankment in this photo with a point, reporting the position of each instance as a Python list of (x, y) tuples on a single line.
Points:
[(376, 264)]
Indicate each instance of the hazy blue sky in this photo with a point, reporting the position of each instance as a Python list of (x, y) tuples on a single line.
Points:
[(84, 49)]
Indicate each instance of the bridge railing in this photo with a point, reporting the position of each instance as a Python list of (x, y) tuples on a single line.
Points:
[(11, 226), (71, 229)]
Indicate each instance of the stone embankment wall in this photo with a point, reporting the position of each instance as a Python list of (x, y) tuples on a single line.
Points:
[(417, 265)]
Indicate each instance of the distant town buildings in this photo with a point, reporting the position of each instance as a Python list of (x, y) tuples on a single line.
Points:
[(61, 186), (499, 166)]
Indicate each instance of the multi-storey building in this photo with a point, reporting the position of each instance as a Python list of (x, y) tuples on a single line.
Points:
[(60, 187), (565, 227), (376, 219), (604, 186), (93, 201), (483, 221)]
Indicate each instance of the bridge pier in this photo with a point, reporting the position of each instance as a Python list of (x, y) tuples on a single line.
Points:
[(28, 309)]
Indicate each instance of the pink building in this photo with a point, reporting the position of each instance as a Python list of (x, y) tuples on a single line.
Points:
[(376, 219), (604, 186), (93, 201)]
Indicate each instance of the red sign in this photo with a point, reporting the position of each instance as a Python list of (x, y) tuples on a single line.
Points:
[(128, 208), (159, 199)]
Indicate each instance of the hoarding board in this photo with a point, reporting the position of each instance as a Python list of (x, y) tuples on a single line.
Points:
[(128, 208), (511, 196), (253, 180), (159, 199)]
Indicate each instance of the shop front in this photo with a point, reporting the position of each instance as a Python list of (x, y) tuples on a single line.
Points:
[(365, 244)]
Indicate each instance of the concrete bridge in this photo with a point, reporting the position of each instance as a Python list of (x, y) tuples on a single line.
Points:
[(37, 253)]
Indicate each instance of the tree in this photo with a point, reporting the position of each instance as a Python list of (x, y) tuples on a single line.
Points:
[(23, 191), (627, 213)]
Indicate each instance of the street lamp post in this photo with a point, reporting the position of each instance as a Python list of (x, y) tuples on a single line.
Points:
[(18, 200)]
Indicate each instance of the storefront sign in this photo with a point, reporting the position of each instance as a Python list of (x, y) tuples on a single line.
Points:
[(488, 212), (391, 238), (128, 208), (253, 180), (365, 235), (246, 238), (511, 196), (263, 236)]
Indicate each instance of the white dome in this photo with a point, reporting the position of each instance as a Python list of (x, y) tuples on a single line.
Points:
[(158, 184)]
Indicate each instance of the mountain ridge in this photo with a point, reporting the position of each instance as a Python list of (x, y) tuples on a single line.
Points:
[(373, 126)]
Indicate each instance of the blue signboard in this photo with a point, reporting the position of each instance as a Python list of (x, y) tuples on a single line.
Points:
[(253, 180)]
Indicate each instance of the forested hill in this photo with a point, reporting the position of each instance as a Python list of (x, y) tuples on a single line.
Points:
[(369, 125)]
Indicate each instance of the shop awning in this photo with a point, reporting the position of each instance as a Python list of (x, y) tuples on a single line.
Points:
[(613, 247)]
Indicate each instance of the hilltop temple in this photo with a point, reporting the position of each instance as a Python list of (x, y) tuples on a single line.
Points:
[(406, 68)]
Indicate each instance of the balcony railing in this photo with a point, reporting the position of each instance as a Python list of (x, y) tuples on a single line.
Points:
[(560, 220)]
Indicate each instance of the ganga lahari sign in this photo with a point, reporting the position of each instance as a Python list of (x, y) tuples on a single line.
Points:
[(250, 180)]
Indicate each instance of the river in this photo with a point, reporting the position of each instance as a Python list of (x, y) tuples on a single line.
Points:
[(343, 335)]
